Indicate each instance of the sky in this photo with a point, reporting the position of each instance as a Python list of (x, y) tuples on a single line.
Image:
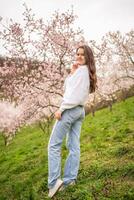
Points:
[(95, 17)]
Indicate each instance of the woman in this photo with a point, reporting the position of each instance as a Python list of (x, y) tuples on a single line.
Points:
[(81, 81)]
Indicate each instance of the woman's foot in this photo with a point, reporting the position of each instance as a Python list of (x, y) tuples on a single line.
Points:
[(64, 186), (56, 187)]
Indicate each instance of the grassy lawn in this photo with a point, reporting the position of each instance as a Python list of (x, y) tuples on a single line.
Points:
[(107, 160)]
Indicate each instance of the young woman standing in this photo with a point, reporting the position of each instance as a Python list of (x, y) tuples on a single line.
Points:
[(79, 83)]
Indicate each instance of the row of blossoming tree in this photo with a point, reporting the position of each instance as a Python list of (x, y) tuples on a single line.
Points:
[(38, 54)]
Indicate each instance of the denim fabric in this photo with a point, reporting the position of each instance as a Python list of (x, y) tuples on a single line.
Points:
[(70, 126)]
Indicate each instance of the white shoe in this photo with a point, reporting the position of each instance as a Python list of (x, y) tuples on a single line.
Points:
[(56, 187), (72, 183), (64, 186)]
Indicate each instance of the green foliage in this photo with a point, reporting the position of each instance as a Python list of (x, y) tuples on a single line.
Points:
[(106, 168)]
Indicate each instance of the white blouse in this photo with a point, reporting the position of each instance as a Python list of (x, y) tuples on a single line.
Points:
[(76, 88)]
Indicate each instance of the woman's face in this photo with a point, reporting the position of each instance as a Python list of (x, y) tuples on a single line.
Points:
[(80, 57)]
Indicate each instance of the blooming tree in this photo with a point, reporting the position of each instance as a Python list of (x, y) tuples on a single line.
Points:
[(115, 68), (33, 73)]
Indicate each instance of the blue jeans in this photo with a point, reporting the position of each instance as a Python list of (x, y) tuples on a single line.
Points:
[(69, 125)]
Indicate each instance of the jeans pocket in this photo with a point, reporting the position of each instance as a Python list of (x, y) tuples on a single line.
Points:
[(75, 113)]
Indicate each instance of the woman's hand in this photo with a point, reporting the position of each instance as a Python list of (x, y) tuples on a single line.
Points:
[(74, 67), (58, 115)]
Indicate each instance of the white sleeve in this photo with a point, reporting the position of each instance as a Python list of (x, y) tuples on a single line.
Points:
[(78, 93), (64, 85)]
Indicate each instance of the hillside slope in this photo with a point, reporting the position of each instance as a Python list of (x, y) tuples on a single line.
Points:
[(106, 168)]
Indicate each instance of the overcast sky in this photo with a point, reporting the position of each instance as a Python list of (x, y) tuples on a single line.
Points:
[(95, 17)]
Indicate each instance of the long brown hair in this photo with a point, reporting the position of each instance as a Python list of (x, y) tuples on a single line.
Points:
[(90, 62)]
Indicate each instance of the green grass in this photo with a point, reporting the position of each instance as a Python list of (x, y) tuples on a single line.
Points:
[(106, 169)]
